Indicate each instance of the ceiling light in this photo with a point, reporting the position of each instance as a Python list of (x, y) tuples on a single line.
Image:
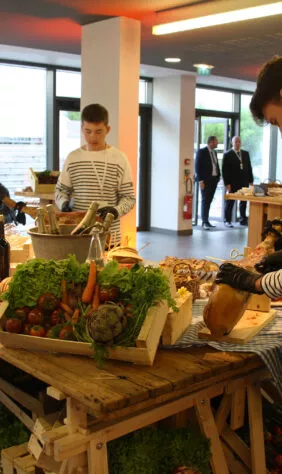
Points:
[(203, 69), (219, 19), (173, 60)]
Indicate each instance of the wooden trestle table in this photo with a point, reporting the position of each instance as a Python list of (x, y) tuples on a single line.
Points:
[(102, 405), (261, 209)]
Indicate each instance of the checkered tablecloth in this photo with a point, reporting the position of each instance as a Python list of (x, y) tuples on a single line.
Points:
[(267, 344)]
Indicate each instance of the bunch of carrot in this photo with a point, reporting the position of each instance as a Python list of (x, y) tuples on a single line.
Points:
[(90, 293), (70, 313)]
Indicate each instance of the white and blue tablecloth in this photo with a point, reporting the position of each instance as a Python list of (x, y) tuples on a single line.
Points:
[(267, 344)]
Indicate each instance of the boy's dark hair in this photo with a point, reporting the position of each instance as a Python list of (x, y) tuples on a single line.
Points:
[(95, 113), (269, 84), (211, 139)]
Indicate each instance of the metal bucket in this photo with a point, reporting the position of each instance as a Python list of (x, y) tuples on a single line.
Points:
[(57, 247)]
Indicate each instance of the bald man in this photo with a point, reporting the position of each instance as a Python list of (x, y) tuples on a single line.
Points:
[(237, 173)]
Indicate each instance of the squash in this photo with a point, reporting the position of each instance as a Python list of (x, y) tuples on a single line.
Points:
[(225, 307)]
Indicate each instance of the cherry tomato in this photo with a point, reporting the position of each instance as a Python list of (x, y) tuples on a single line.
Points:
[(66, 333), (13, 325), (35, 316), (57, 317), (108, 294), (37, 330)]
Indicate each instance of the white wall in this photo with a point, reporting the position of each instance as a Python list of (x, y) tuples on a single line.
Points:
[(172, 141)]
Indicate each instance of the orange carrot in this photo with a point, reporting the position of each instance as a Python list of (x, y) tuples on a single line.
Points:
[(75, 316), (96, 299), (88, 291), (66, 308), (64, 296)]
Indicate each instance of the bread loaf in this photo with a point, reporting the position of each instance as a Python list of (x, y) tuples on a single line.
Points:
[(225, 307)]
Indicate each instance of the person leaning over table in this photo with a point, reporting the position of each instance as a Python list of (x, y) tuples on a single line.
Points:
[(266, 105), (11, 209), (96, 172)]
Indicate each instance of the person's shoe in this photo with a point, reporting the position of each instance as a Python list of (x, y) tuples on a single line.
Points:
[(206, 226), (210, 225), (244, 222), (228, 224)]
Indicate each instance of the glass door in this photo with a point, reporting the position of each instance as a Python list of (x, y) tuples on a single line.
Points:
[(223, 127)]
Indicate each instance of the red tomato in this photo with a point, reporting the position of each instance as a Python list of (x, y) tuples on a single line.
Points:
[(108, 294), (57, 317), (48, 302), (278, 459), (37, 330), (66, 333), (13, 325), (21, 313), (35, 316)]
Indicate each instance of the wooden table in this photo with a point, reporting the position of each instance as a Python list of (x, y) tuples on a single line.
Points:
[(261, 209), (123, 398), (44, 198)]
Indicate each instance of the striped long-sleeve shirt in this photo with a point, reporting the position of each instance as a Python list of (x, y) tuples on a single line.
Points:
[(103, 176), (272, 284)]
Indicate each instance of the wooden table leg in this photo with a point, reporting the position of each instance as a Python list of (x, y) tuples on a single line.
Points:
[(238, 409), (209, 428), (76, 417), (256, 223), (97, 455), (256, 429)]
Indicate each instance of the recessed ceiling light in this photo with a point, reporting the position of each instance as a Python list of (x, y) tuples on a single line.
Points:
[(173, 60), (234, 16)]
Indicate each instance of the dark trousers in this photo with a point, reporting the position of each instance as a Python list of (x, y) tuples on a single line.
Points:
[(228, 207), (207, 197)]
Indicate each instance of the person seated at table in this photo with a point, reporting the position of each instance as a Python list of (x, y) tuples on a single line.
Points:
[(11, 210), (265, 106)]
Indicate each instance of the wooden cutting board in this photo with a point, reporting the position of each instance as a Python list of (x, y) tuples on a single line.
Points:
[(249, 326)]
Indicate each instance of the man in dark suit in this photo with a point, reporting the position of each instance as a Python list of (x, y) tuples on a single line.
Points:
[(237, 173), (208, 175)]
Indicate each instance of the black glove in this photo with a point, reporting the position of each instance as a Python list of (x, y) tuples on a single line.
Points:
[(20, 217), (66, 207), (271, 263), (237, 277), (105, 210)]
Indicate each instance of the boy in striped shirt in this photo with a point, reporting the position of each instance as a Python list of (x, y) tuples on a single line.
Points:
[(96, 172)]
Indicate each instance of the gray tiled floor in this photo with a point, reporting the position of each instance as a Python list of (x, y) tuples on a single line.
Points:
[(217, 242)]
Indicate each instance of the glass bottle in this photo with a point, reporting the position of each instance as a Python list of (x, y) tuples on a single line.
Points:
[(4, 251), (96, 251)]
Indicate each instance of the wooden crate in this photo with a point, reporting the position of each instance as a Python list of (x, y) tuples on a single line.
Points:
[(17, 460), (177, 322), (39, 188), (144, 352)]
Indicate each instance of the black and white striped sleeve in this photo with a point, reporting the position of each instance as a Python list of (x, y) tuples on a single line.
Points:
[(126, 198), (64, 187), (272, 284)]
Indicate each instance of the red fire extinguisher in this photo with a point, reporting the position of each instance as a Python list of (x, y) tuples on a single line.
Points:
[(188, 199)]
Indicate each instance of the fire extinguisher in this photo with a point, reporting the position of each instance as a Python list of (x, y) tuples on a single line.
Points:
[(188, 199)]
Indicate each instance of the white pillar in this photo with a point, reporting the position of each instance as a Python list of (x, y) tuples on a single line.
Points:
[(172, 143), (110, 59)]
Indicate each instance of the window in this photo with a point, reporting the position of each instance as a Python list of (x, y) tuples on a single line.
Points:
[(255, 139), (68, 84), (210, 99), (22, 124), (145, 91)]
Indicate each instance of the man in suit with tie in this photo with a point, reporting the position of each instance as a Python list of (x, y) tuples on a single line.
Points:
[(208, 175), (237, 173)]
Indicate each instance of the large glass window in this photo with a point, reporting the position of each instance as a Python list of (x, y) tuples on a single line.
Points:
[(255, 139), (68, 84), (22, 124), (209, 99)]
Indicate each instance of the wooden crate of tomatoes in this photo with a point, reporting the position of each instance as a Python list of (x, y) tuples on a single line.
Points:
[(65, 306)]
